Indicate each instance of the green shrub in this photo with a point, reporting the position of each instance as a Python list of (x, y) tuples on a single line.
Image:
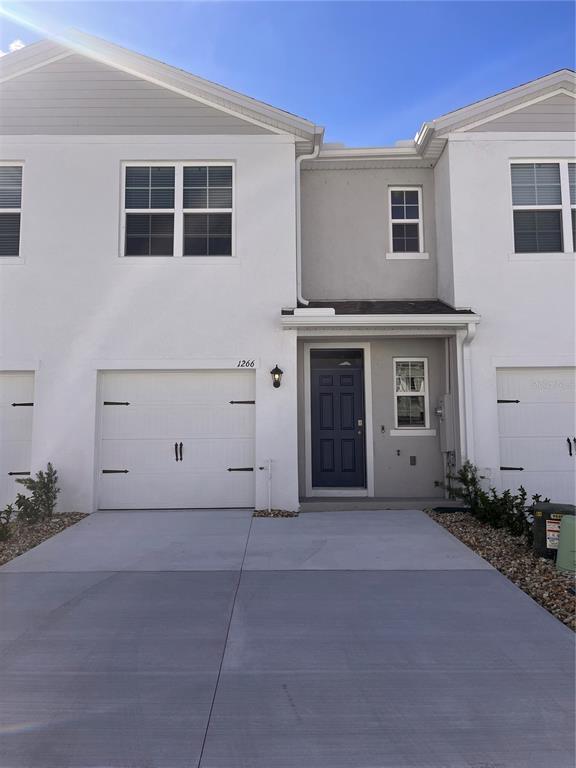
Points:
[(42, 502), (506, 510), (5, 519)]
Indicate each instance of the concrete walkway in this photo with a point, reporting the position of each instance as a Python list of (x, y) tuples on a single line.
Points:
[(333, 640)]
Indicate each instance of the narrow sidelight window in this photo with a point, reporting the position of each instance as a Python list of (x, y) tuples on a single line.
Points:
[(411, 392), (207, 205), (10, 209), (543, 200), (149, 210), (406, 220)]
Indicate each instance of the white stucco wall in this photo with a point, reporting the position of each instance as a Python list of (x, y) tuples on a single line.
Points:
[(526, 301), (73, 306)]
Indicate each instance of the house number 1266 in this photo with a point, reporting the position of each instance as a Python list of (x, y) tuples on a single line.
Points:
[(245, 364)]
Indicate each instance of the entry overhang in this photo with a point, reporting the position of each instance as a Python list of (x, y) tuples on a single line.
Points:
[(309, 319)]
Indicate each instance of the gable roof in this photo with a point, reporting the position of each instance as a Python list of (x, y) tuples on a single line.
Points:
[(427, 146), (47, 51), (562, 81)]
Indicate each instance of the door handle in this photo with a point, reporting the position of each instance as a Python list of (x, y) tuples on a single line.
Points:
[(569, 446), (180, 451), (176, 450)]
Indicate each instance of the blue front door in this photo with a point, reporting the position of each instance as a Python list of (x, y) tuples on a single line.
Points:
[(337, 410)]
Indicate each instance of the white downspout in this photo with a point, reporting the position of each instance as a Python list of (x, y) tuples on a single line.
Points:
[(314, 154), (464, 371)]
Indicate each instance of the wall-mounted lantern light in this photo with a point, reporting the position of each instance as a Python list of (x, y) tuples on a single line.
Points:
[(276, 374)]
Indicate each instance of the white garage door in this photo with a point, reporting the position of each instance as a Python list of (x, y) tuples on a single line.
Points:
[(16, 401), (177, 440), (537, 419)]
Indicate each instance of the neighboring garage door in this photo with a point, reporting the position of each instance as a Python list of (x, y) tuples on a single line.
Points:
[(16, 401), (536, 413), (177, 440)]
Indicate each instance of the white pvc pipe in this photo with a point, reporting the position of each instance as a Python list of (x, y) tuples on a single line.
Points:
[(316, 151)]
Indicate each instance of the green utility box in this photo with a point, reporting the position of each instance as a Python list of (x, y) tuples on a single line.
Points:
[(566, 558), (547, 519)]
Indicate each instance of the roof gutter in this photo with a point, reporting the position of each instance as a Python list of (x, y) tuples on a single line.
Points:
[(299, 160)]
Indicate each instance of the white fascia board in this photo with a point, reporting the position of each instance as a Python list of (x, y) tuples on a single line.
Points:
[(354, 321)]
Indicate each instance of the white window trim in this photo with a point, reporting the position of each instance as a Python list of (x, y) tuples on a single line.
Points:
[(398, 255), (8, 260), (400, 430), (564, 207), (178, 211)]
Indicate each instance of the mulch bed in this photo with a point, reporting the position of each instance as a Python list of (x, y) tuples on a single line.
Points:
[(25, 537), (274, 513), (537, 576)]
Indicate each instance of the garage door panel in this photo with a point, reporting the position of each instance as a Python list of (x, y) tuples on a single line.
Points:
[(157, 491), (552, 485), (534, 431), (15, 431), (545, 453), (159, 455), (177, 421), (536, 420), (178, 386), (538, 385), (16, 387), (168, 407), (15, 422)]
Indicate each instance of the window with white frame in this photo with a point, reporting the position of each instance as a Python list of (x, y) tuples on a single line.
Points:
[(411, 393), (406, 220), (207, 203), (10, 209), (542, 198), (178, 209)]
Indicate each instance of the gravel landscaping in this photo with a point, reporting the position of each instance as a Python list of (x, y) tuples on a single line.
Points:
[(274, 513), (537, 576), (25, 537)]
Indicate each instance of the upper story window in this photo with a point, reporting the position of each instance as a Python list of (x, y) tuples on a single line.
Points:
[(411, 393), (542, 197), (406, 220), (10, 209), (178, 209)]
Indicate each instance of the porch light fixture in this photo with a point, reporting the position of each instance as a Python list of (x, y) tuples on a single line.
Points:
[(276, 374)]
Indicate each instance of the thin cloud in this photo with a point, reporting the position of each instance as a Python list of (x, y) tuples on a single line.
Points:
[(15, 45)]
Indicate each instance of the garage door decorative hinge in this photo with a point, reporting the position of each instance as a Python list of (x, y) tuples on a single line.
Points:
[(242, 402), (240, 469), (17, 405), (507, 401), (115, 471), (114, 402), (512, 469), (18, 473)]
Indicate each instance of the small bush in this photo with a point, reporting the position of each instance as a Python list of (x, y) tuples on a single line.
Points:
[(5, 520), (506, 510), (41, 504)]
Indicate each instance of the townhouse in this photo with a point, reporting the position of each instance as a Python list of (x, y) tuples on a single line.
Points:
[(202, 304)]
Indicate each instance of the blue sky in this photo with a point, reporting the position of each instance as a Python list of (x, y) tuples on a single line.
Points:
[(371, 73)]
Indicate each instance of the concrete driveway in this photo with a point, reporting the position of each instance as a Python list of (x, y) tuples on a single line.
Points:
[(332, 640)]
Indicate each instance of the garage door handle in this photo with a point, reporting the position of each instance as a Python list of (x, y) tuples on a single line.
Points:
[(512, 469), (180, 451), (570, 446)]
